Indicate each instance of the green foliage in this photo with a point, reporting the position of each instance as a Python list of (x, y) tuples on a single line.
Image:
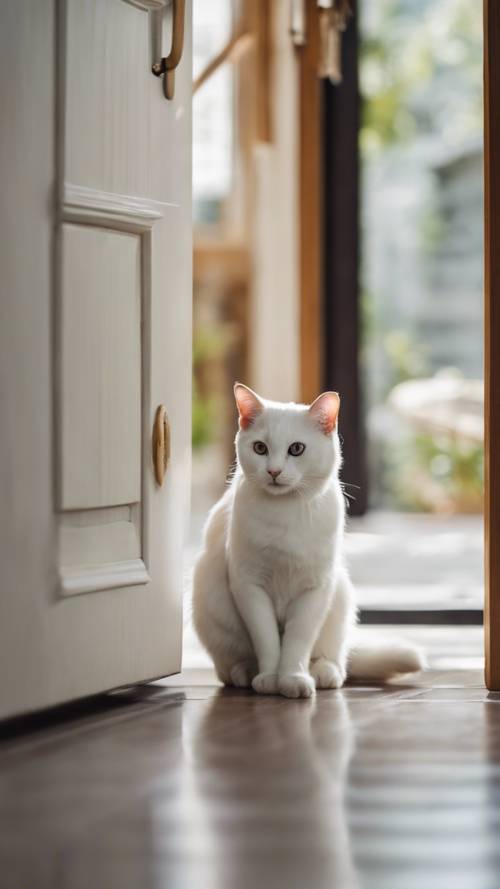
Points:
[(208, 345), (203, 419), (432, 229), (437, 473), (368, 319), (420, 83), (208, 348), (407, 358), (412, 54)]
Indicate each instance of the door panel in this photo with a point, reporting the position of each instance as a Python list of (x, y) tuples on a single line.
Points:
[(100, 368), (91, 549), (108, 96)]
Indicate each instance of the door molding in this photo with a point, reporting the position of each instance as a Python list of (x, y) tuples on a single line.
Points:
[(93, 579), (94, 207)]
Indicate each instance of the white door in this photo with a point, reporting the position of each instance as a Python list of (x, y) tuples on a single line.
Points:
[(95, 336)]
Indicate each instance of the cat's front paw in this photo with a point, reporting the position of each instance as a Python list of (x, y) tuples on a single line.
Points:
[(326, 674), (265, 684), (296, 685)]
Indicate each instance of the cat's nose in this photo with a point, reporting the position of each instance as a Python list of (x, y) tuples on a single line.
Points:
[(274, 473)]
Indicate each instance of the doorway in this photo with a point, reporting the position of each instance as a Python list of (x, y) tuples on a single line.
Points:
[(403, 304), (445, 524)]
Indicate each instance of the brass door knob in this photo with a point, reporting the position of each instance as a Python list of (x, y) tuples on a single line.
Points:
[(161, 444)]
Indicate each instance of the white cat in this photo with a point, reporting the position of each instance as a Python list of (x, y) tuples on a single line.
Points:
[(272, 600)]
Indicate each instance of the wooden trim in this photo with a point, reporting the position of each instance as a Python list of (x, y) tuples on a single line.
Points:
[(492, 339), (228, 259), (341, 328), (263, 61), (310, 246), (239, 43)]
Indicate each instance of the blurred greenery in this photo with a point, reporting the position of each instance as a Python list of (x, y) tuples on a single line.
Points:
[(203, 418), (421, 89), (208, 347), (408, 51), (407, 358), (437, 473)]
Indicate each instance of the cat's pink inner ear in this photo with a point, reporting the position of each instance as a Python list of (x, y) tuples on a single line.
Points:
[(325, 410), (248, 403)]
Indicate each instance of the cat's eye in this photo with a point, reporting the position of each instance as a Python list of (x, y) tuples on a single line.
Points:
[(260, 448), (296, 449)]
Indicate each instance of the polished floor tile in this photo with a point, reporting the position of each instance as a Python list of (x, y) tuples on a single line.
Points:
[(184, 784)]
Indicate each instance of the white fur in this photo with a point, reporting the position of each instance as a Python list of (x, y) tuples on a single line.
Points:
[(272, 600)]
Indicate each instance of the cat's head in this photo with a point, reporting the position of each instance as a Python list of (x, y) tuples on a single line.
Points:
[(283, 448)]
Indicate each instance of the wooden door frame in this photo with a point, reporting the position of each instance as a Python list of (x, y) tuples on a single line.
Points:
[(341, 323), (310, 210), (329, 240), (492, 340)]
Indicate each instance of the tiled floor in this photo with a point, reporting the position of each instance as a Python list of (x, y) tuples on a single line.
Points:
[(184, 784)]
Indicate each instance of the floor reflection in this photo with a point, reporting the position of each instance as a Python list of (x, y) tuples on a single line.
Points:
[(269, 783), (182, 786)]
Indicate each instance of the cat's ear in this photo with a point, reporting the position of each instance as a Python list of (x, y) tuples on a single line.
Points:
[(248, 403), (325, 410)]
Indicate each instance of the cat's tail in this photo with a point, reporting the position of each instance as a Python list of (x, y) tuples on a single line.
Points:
[(383, 659)]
